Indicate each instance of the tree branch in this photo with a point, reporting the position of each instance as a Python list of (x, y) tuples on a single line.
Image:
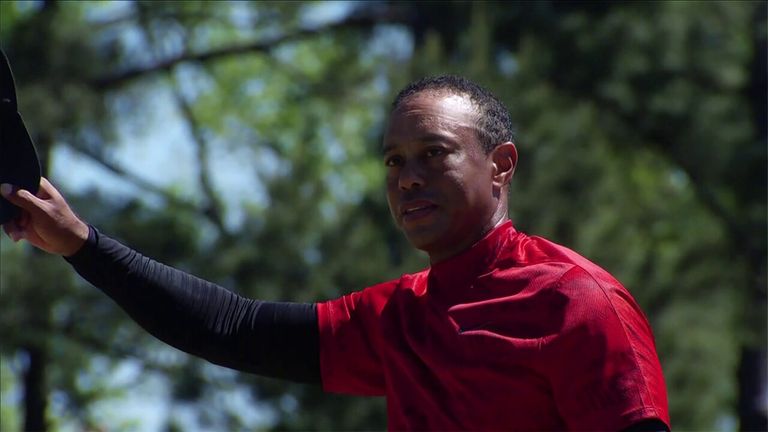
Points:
[(97, 345), (353, 21), (213, 207), (139, 181)]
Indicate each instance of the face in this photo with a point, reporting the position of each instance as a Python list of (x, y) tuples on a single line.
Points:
[(443, 190)]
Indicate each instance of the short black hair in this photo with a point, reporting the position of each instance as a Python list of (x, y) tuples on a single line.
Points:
[(494, 123)]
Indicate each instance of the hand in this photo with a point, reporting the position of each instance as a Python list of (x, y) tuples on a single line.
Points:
[(46, 221)]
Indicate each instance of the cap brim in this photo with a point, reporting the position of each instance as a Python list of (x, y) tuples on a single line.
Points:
[(19, 164), (7, 87)]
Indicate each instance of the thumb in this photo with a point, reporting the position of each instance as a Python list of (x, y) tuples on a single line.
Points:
[(21, 197)]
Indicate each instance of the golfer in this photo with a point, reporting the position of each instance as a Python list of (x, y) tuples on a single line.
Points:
[(503, 331)]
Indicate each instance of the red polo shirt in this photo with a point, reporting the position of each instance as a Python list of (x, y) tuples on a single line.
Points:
[(517, 333)]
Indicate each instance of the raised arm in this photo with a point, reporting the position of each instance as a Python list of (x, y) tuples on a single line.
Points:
[(267, 338)]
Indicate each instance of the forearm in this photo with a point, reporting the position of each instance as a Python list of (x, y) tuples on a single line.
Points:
[(201, 318)]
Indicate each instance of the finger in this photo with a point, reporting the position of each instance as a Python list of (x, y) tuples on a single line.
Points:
[(16, 232), (48, 190), (8, 227), (23, 220), (13, 230), (33, 238), (22, 198)]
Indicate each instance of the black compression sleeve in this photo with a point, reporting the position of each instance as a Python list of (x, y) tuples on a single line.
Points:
[(649, 425), (267, 338)]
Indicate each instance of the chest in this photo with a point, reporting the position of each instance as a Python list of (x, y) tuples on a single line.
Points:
[(467, 365)]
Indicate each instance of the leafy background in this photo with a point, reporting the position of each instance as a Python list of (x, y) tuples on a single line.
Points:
[(239, 141)]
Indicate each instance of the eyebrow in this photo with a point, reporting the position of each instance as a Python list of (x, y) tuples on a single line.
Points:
[(429, 137)]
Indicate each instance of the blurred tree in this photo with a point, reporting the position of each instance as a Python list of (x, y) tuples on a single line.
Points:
[(77, 86), (642, 138)]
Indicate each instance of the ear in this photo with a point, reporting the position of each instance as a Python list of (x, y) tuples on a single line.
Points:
[(504, 159)]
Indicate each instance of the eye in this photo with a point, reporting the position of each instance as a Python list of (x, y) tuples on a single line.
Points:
[(393, 161), (435, 151)]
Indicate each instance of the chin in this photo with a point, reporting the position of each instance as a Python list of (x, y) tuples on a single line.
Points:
[(423, 239)]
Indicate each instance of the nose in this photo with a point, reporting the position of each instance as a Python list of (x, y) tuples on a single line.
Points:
[(411, 176)]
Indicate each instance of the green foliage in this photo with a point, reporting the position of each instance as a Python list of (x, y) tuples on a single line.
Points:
[(9, 410), (640, 147)]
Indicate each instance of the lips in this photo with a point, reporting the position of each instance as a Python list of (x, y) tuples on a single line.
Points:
[(415, 210)]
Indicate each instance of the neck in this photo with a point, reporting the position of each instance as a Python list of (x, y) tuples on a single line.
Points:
[(443, 254)]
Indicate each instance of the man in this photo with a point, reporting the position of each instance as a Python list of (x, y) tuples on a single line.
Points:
[(502, 332)]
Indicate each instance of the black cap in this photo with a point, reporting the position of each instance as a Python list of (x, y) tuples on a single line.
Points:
[(19, 164)]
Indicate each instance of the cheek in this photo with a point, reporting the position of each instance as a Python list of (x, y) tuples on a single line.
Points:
[(392, 190), (467, 189), (391, 184), (390, 179), (457, 190)]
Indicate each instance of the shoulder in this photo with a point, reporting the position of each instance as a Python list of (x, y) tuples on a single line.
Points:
[(577, 293), (373, 298), (606, 341), (531, 250), (552, 266), (601, 317)]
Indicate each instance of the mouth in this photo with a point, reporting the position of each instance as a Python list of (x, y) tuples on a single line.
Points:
[(416, 210)]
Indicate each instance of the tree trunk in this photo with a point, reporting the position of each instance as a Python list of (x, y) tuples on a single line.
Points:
[(752, 373), (34, 390), (753, 394)]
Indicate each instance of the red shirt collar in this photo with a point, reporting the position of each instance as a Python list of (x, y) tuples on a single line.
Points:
[(460, 271)]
